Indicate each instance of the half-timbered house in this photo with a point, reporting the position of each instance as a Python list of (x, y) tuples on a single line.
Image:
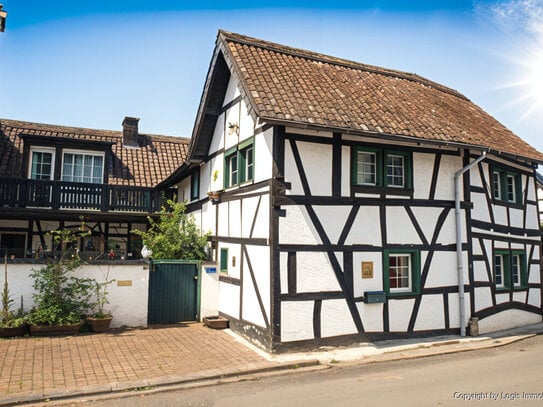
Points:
[(53, 177), (348, 201)]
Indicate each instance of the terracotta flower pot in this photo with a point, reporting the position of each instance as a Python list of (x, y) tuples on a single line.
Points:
[(216, 322), (99, 324)]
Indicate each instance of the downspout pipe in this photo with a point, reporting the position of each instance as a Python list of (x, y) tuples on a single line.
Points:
[(458, 219)]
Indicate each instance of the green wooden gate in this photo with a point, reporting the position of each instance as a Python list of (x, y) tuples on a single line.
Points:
[(174, 291)]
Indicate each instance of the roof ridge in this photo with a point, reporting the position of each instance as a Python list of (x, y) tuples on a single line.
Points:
[(302, 53), (80, 130)]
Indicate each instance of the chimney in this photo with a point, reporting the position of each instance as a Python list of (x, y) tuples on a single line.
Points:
[(130, 132)]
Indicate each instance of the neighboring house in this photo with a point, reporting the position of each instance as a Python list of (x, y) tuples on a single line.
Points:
[(332, 201), (51, 176)]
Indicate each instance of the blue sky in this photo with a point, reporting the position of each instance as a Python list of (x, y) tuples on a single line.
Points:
[(90, 63)]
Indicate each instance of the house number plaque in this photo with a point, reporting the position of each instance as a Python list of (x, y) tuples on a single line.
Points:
[(367, 269)]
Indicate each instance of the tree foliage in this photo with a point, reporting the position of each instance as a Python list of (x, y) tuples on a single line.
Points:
[(174, 235)]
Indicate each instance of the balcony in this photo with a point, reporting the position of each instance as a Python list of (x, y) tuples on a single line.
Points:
[(59, 195)]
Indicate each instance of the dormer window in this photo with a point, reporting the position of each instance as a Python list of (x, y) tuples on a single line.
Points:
[(87, 167), (41, 164)]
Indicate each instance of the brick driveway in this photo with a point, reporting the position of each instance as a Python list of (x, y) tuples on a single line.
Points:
[(50, 366)]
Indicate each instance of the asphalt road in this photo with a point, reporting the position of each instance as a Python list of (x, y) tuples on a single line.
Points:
[(511, 375)]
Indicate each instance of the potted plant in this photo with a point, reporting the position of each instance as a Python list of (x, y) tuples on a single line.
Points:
[(11, 324), (60, 297), (100, 320)]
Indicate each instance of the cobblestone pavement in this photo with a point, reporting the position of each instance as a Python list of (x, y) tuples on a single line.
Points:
[(44, 365)]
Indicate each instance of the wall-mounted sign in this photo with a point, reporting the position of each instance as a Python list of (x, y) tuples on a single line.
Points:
[(367, 269), (211, 270), (124, 283)]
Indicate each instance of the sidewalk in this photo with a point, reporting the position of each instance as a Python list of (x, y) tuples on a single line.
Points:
[(34, 369)]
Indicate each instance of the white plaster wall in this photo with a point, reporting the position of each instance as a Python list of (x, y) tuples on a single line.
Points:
[(183, 190), (229, 299), (291, 173), (454, 309), (263, 156), (128, 304), (532, 217), (479, 271), (480, 207), (296, 320), (400, 229), (315, 273), (249, 212), (336, 319), (443, 271), (332, 219), (224, 216), (423, 165), (208, 218), (209, 290), (297, 228), (483, 298), (372, 316), (500, 214), (445, 180), (232, 90), (232, 117), (234, 250), (317, 163), (216, 167), (532, 193), (366, 227), (259, 256), (508, 319), (431, 313), (501, 298), (234, 218), (283, 272), (217, 142), (519, 296), (427, 219), (533, 276), (246, 123), (475, 177), (367, 284), (534, 297), (262, 225), (517, 218), (399, 314)]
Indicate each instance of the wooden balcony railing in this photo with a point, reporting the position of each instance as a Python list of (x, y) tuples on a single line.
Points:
[(25, 193)]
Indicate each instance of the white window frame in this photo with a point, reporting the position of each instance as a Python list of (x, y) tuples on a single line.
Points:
[(90, 153), (409, 288), (360, 168), (497, 185), (514, 188), (516, 273), (501, 273), (388, 165), (37, 149)]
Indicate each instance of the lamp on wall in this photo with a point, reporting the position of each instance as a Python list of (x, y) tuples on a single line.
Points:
[(3, 15), (233, 128)]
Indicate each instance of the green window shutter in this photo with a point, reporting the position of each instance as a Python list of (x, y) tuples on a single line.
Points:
[(224, 260)]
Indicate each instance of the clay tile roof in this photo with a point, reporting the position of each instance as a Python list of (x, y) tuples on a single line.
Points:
[(295, 86), (144, 166)]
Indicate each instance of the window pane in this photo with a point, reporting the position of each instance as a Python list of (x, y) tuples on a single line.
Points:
[(83, 168), (498, 270), (496, 185), (234, 170), (367, 168), (399, 271), (41, 165), (515, 272), (511, 188), (395, 171)]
